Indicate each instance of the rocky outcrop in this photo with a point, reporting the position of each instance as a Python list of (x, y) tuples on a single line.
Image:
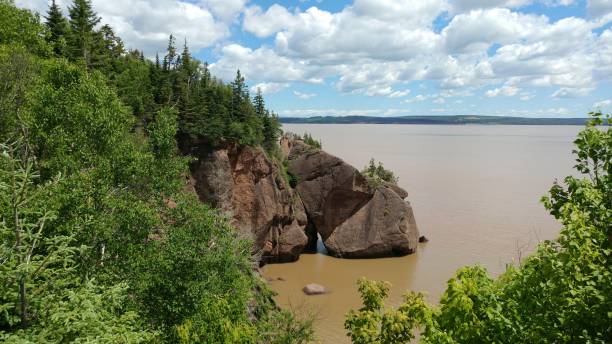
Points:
[(354, 218), (330, 199), (246, 185)]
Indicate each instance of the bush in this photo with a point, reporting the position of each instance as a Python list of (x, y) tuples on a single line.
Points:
[(377, 174)]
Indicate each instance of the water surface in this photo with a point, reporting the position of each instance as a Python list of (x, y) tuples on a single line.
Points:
[(475, 192)]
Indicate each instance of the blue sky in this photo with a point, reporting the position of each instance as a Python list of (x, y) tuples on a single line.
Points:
[(532, 58)]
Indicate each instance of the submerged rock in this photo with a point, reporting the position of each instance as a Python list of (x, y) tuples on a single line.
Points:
[(314, 289), (246, 185), (354, 218)]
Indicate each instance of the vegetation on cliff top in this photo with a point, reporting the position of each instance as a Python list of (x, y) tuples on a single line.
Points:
[(377, 174), (99, 242), (562, 293)]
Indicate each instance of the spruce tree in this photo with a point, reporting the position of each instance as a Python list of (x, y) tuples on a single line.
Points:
[(169, 59), (260, 105), (58, 28), (83, 20), (238, 91)]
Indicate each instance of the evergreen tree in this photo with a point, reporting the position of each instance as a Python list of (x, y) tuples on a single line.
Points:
[(238, 87), (260, 104), (83, 20), (169, 59), (58, 28), (107, 50)]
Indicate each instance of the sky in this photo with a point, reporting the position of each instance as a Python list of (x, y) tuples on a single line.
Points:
[(528, 58)]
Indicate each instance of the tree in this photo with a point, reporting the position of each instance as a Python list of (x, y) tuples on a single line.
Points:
[(271, 130), (260, 104), (41, 291), (22, 28), (107, 50), (378, 174), (83, 20), (238, 96), (170, 58), (58, 29)]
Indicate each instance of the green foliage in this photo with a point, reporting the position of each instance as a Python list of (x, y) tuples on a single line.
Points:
[(21, 28), (377, 174), (169, 283), (562, 293), (96, 229), (82, 37), (58, 29), (76, 121), (41, 291), (307, 139), (374, 324)]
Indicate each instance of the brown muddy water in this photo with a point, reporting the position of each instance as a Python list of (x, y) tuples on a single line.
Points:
[(475, 192)]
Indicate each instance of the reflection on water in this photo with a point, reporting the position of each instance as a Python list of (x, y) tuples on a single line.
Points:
[(475, 192)]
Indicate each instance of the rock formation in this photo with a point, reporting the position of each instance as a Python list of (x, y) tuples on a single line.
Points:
[(246, 185), (314, 289), (354, 218)]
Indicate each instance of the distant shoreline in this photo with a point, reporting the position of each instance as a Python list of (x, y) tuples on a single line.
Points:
[(441, 120)]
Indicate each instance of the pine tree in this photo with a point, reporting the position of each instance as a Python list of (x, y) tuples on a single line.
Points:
[(260, 105), (238, 92), (58, 28), (83, 20), (108, 48), (169, 59)]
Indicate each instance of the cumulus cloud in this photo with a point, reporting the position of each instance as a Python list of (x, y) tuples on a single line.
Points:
[(261, 64), (303, 96), (467, 5), (269, 87), (392, 112), (506, 90), (226, 10), (599, 8), (147, 24), (399, 94), (602, 104), (417, 98), (377, 47), (264, 24)]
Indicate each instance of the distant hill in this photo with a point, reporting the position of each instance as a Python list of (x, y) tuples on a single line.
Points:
[(434, 120)]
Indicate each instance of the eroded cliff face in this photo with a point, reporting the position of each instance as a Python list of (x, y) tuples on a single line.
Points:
[(354, 218), (246, 185)]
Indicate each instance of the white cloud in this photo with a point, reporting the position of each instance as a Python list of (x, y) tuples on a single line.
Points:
[(226, 10), (477, 30), (567, 92), (147, 24), (599, 8), (269, 87), (261, 64), (303, 96), (418, 98), (377, 47), (344, 112), (264, 24), (506, 90), (467, 5), (602, 104), (399, 94)]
